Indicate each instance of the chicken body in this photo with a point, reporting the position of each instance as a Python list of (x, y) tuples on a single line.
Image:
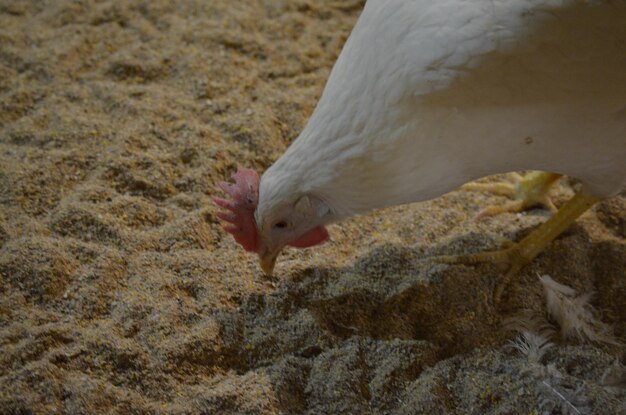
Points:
[(426, 96)]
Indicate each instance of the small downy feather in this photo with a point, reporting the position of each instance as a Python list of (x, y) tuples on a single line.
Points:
[(574, 314), (533, 340), (532, 345)]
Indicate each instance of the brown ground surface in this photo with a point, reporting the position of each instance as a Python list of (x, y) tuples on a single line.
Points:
[(119, 292)]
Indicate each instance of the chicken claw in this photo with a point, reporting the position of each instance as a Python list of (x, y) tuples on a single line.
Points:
[(518, 254), (527, 191)]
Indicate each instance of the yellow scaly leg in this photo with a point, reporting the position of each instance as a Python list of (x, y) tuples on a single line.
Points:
[(521, 253)]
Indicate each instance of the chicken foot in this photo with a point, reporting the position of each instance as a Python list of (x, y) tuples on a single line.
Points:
[(527, 191), (517, 254)]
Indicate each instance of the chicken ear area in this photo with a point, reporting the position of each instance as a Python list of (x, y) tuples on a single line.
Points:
[(313, 237)]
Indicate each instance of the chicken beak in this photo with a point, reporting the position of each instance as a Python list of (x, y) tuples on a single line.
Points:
[(267, 264)]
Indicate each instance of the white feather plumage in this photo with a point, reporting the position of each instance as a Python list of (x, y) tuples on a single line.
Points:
[(427, 95)]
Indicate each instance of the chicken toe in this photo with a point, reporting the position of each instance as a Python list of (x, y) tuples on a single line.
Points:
[(516, 255), (527, 191)]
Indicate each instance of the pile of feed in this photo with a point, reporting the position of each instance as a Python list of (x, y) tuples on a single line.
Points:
[(120, 293)]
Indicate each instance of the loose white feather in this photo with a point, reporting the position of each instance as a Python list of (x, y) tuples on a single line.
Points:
[(532, 345), (534, 333), (574, 315)]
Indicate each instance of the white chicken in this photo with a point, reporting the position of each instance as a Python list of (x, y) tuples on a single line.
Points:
[(428, 95)]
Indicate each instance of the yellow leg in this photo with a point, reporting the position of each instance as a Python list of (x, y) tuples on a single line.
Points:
[(521, 253), (527, 191)]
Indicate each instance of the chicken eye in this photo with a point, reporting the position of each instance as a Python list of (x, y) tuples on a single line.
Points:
[(280, 225)]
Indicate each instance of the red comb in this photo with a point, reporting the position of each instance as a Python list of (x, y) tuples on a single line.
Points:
[(240, 210)]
